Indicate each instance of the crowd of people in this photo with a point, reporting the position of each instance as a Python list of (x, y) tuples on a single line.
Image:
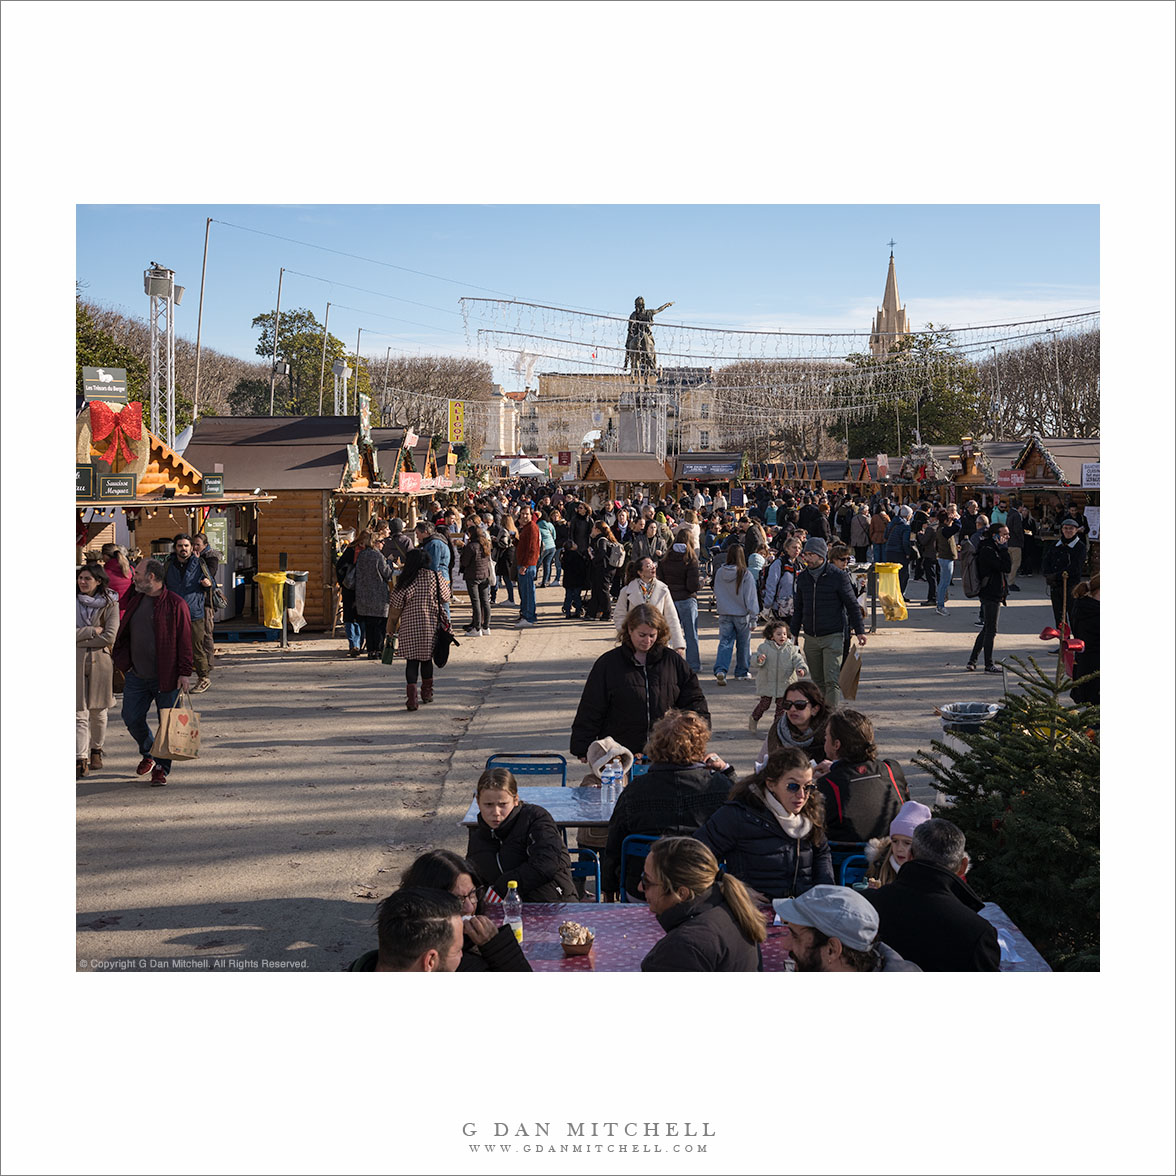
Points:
[(732, 850)]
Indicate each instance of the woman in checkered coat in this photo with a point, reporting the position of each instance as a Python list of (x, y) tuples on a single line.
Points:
[(415, 596)]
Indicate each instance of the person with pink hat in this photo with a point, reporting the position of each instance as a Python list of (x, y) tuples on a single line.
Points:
[(887, 855)]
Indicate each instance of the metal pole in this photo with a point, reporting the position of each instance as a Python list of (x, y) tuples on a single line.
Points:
[(384, 394), (996, 372), (1057, 362), (323, 365), (170, 432), (357, 335), (277, 319), (200, 321)]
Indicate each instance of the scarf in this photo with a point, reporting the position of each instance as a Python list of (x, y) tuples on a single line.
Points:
[(895, 866), (796, 826), (90, 606), (787, 739), (646, 589)]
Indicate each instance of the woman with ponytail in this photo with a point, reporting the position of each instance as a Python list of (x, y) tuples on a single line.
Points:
[(710, 921), (771, 831)]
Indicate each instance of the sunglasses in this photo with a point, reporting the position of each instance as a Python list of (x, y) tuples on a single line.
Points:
[(797, 705), (792, 786)]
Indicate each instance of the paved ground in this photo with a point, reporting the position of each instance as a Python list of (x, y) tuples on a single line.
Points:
[(315, 787)]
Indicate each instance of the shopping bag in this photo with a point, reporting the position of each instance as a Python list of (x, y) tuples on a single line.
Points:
[(389, 654), (178, 737), (851, 672)]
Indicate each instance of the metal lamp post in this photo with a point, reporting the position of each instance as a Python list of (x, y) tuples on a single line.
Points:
[(159, 284)]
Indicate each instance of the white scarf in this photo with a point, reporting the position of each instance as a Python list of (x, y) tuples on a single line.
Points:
[(796, 826), (90, 606)]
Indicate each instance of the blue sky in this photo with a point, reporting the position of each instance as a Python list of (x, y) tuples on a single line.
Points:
[(787, 267)]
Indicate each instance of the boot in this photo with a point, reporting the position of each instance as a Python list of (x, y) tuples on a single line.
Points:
[(426, 690), (83, 768), (95, 758), (412, 702)]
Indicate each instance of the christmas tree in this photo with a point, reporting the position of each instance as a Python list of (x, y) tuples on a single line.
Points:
[(1025, 792)]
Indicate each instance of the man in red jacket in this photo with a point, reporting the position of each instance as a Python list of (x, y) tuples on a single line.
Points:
[(154, 650), (527, 551)]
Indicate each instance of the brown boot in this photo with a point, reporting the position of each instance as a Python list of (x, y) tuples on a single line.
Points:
[(95, 758), (412, 702), (83, 768), (426, 690)]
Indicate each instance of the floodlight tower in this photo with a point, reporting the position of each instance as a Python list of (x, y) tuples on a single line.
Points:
[(341, 372), (159, 284)]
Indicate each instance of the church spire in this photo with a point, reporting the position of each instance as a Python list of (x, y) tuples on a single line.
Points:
[(890, 323)]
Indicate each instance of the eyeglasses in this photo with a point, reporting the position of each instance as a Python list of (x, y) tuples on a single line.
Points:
[(471, 896), (647, 882), (793, 786), (801, 705)]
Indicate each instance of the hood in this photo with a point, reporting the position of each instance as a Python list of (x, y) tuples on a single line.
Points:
[(603, 750)]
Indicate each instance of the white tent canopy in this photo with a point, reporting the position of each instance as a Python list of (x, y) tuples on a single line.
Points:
[(523, 467)]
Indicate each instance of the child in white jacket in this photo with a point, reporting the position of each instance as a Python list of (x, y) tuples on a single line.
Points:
[(780, 664)]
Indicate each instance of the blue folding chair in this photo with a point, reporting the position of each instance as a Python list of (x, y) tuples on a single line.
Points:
[(853, 869), (636, 845), (586, 864), (841, 850), (638, 769), (532, 763)]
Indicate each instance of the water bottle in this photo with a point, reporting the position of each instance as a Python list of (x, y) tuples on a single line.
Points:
[(512, 910), (610, 780)]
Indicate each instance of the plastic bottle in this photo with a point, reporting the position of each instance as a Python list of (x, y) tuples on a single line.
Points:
[(512, 910), (610, 781)]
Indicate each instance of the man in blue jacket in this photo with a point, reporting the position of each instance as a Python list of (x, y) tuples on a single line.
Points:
[(823, 598), (185, 577)]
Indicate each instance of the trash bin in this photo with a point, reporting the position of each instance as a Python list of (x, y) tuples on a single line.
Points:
[(961, 718), (296, 599), (889, 592), (272, 594)]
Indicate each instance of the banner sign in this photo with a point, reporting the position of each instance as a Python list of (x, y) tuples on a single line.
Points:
[(565, 457), (1008, 478), (85, 481), (1090, 475), (213, 485), (709, 469), (1091, 513), (105, 384), (410, 482), (443, 483), (457, 422), (410, 439), (428, 483), (117, 485), (883, 466)]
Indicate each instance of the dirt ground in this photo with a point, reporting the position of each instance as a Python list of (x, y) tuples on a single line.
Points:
[(315, 787)]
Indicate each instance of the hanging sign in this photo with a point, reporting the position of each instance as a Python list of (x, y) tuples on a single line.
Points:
[(85, 481), (1091, 513), (410, 482), (565, 457), (117, 485), (1090, 475), (410, 439), (457, 422), (213, 486), (105, 384)]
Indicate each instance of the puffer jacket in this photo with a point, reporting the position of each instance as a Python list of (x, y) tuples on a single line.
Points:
[(862, 799), (623, 699), (670, 800), (702, 936), (678, 570), (822, 602), (474, 563), (898, 541), (782, 665), (761, 854), (526, 848)]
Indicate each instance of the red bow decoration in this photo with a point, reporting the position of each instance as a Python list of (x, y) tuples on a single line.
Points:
[(128, 424)]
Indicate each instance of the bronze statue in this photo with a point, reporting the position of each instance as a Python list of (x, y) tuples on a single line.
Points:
[(640, 355)]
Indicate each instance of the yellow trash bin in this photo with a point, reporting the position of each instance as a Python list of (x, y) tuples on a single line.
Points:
[(889, 592), (273, 588)]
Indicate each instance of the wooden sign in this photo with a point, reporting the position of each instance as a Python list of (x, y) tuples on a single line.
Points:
[(213, 485), (117, 485), (85, 481)]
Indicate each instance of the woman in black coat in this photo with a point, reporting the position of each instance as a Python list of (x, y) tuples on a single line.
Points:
[(683, 787), (710, 922), (630, 687), (1084, 624), (993, 564), (599, 573), (771, 831), (487, 947), (517, 842)]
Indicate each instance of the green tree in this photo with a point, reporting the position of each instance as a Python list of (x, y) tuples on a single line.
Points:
[(98, 348), (300, 344), (1025, 792), (923, 383)]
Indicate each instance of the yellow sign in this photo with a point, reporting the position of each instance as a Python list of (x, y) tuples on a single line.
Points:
[(457, 422)]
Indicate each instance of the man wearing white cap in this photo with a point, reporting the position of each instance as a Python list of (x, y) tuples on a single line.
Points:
[(834, 929)]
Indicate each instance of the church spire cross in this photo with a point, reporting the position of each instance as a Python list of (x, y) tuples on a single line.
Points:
[(892, 244)]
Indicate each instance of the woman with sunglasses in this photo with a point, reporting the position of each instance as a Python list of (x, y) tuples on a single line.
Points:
[(800, 725), (486, 947), (710, 922), (771, 831)]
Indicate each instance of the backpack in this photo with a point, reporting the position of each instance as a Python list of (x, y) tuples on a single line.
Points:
[(971, 576), (614, 555)]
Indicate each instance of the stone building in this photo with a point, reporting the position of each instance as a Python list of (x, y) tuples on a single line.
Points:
[(890, 323)]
